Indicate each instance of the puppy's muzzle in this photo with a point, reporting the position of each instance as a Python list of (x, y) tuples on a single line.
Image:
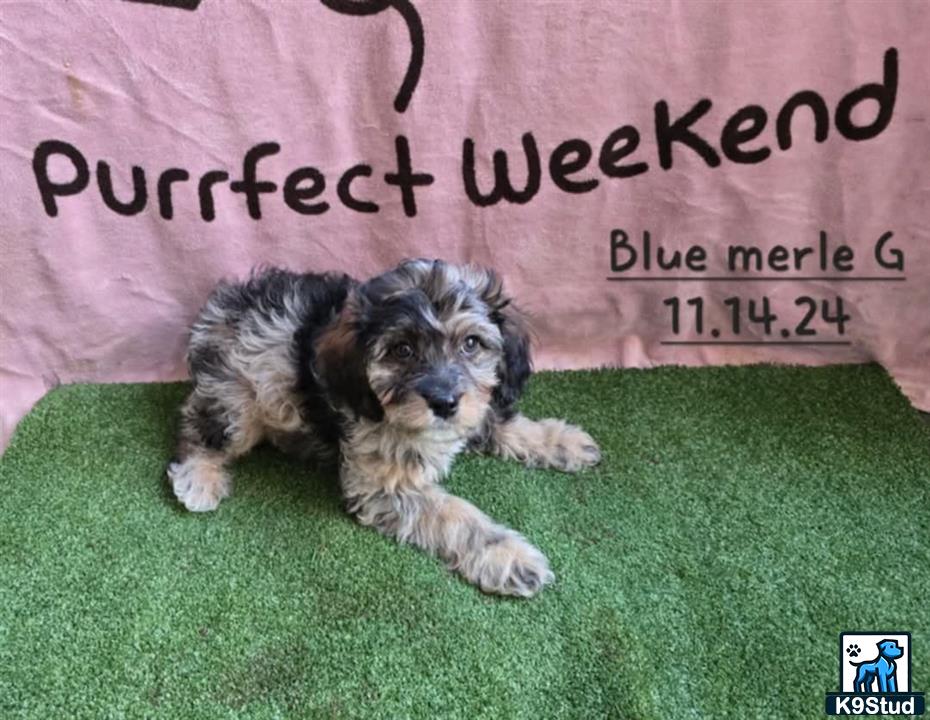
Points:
[(441, 394)]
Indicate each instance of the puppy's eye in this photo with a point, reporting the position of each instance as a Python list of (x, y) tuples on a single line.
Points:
[(402, 351), (471, 344)]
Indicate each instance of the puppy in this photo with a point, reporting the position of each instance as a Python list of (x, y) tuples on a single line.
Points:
[(394, 377), (883, 669)]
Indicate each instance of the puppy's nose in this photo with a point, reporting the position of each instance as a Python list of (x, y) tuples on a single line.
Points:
[(443, 405)]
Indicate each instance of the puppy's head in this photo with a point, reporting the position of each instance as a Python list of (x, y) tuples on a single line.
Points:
[(426, 346), (890, 649)]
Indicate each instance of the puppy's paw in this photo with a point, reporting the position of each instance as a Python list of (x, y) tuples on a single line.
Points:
[(511, 566), (199, 484), (568, 448)]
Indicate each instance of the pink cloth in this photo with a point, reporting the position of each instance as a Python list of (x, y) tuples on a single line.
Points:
[(92, 295)]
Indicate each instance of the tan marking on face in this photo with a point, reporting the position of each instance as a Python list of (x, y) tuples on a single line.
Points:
[(381, 378), (412, 413), (473, 407)]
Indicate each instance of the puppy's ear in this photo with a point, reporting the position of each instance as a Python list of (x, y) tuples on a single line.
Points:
[(516, 365), (340, 367)]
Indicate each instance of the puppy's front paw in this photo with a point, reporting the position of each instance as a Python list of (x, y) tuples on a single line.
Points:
[(511, 566), (198, 484), (569, 448)]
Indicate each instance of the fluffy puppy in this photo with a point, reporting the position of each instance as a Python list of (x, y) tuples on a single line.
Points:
[(394, 377)]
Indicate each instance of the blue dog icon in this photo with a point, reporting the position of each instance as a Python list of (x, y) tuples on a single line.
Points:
[(882, 668)]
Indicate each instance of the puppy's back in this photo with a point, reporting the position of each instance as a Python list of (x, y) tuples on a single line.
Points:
[(243, 343)]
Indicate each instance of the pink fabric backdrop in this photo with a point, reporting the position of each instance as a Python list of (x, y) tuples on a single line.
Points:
[(91, 295)]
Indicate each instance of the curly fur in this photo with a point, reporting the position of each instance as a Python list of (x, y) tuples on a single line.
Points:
[(394, 377)]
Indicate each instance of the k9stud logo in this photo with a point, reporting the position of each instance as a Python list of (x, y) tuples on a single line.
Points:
[(875, 676)]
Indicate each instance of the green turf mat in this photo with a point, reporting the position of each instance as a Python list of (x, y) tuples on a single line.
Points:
[(741, 518)]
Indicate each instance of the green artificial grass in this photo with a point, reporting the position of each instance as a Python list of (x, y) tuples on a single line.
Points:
[(741, 518)]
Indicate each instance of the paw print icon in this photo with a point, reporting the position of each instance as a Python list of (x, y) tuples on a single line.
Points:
[(853, 650)]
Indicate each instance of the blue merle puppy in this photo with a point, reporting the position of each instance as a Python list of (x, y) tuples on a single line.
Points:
[(394, 377)]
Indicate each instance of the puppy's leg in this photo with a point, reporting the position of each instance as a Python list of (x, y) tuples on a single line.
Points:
[(212, 433), (543, 443), (493, 557)]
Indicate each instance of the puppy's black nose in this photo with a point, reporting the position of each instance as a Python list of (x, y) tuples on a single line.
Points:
[(443, 405)]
